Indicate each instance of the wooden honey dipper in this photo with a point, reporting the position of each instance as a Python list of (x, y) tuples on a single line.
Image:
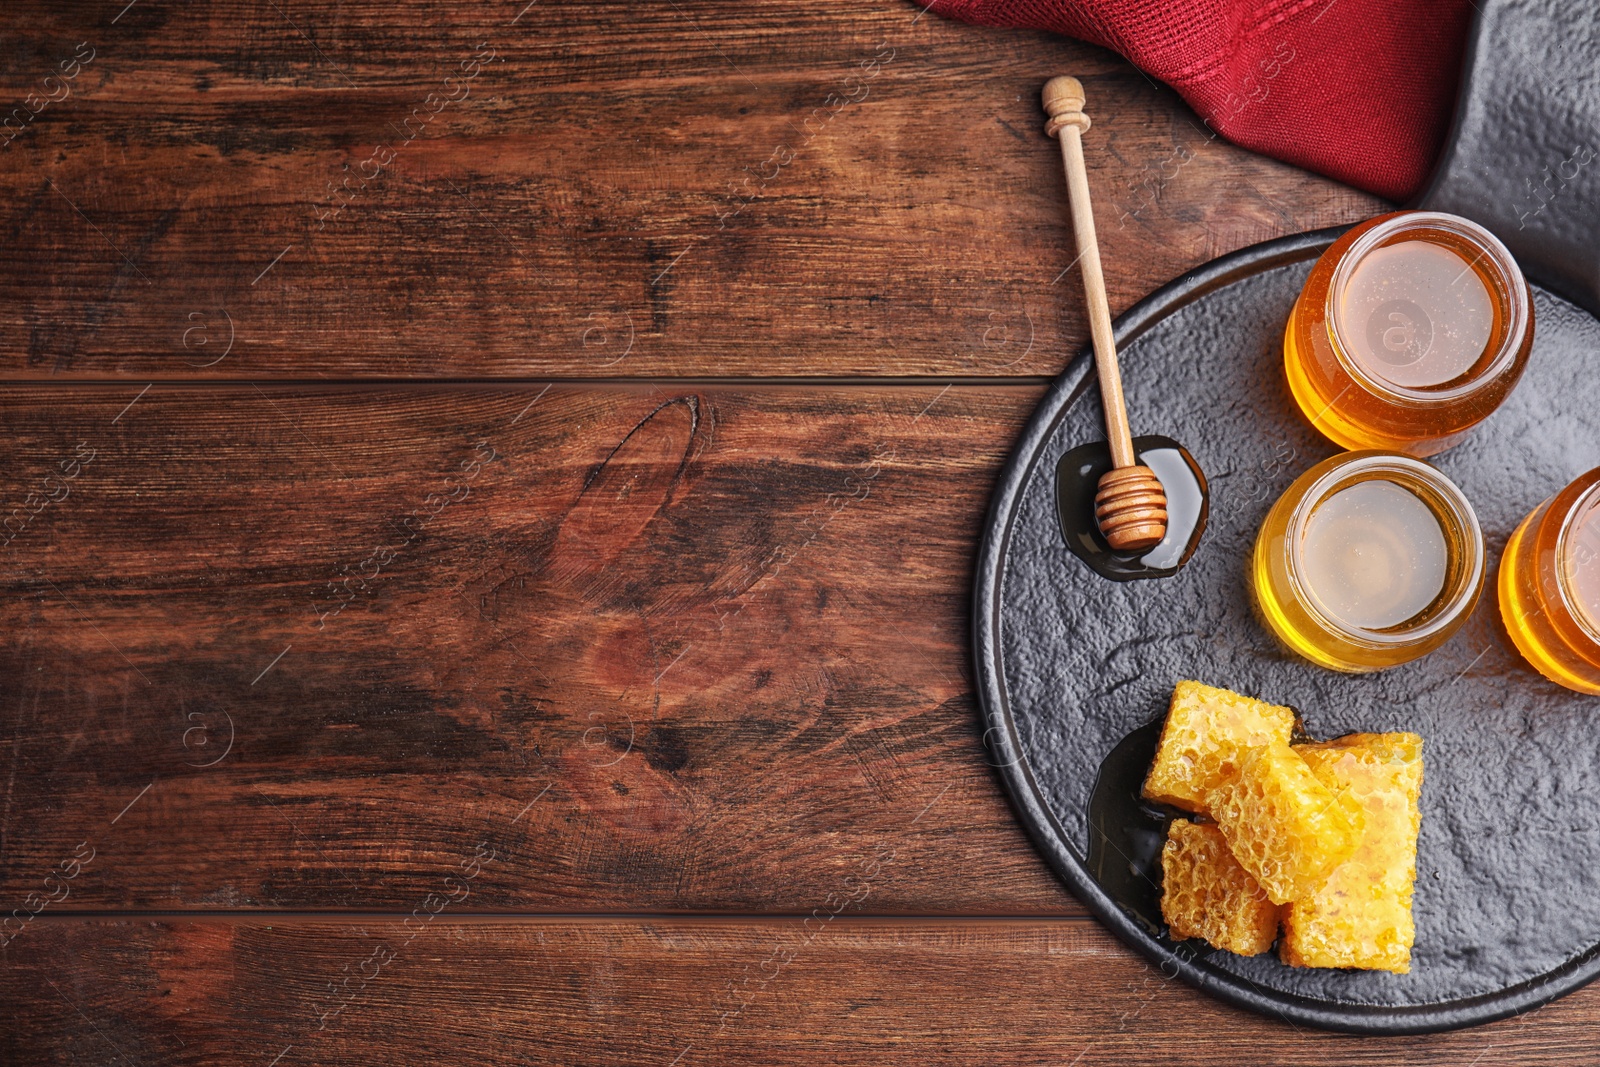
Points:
[(1130, 504)]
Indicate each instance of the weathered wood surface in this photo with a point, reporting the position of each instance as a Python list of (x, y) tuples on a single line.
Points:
[(658, 992), (342, 635), (583, 659), (607, 188)]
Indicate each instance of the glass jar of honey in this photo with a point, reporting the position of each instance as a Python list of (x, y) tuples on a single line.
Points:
[(1369, 560), (1550, 586), (1411, 330)]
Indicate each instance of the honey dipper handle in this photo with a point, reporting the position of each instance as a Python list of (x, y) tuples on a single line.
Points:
[(1063, 102)]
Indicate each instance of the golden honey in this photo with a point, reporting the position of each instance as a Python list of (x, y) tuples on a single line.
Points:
[(1411, 329), (1369, 560), (1550, 586)]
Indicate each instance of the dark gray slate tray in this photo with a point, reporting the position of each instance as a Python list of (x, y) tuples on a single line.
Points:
[(1070, 663)]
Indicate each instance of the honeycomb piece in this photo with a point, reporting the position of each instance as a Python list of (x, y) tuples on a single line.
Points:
[(1205, 893), (1201, 740), (1284, 825), (1361, 916)]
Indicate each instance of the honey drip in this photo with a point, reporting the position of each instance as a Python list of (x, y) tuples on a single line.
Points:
[(1078, 476)]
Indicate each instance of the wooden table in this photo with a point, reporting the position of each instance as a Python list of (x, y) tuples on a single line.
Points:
[(489, 501)]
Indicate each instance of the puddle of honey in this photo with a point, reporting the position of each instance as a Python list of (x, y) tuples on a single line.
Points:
[(1127, 832), (1078, 476)]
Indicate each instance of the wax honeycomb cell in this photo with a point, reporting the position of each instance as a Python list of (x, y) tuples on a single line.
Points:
[(1205, 733), (1361, 915), (1205, 893), (1284, 825)]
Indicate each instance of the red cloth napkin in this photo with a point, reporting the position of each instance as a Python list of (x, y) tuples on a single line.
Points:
[(1359, 90)]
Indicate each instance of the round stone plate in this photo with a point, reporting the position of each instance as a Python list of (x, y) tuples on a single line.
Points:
[(1072, 665)]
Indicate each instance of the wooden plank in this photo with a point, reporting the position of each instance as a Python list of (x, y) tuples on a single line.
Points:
[(666, 648), (665, 992), (346, 188)]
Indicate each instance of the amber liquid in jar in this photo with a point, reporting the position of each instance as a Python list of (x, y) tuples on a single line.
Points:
[(1550, 586), (1374, 555), (1370, 559), (1411, 329)]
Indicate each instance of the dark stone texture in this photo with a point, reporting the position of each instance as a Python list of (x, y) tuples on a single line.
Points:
[(1071, 663)]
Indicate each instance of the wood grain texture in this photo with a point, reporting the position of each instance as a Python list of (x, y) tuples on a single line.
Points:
[(794, 990), (716, 638), (406, 652), (231, 189)]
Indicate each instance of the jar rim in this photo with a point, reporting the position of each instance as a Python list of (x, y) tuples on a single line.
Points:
[(1517, 304), (1453, 508), (1587, 501)]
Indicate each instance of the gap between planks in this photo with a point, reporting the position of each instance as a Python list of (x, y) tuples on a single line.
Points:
[(245, 916), (796, 381)]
